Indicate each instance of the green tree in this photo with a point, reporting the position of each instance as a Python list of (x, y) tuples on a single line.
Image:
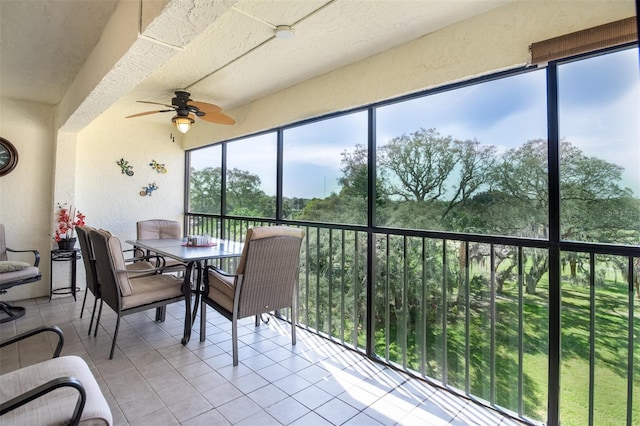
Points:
[(245, 197), (435, 177), (594, 205), (520, 185), (355, 172), (475, 165), (291, 207), (421, 162), (355, 176), (204, 190)]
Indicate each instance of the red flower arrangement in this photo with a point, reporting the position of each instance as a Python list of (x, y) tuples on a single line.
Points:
[(68, 219)]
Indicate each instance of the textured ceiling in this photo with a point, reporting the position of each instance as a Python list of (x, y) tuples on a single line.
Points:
[(43, 44), (233, 59)]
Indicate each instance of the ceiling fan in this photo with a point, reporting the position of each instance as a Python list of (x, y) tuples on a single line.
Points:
[(186, 109)]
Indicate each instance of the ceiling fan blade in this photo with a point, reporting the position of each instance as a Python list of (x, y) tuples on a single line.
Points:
[(157, 103), (205, 107), (218, 117), (140, 114)]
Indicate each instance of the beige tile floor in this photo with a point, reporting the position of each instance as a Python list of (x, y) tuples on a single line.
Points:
[(155, 380)]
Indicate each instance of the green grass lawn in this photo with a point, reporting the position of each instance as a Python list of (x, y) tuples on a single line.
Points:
[(611, 354), (611, 362)]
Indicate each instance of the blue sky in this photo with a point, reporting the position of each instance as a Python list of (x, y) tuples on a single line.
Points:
[(312, 159), (600, 110), (599, 113), (504, 113)]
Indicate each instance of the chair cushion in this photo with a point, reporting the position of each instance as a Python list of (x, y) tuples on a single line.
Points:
[(150, 289), (55, 407), (157, 229), (12, 265), (30, 271), (222, 289), (118, 263), (140, 266)]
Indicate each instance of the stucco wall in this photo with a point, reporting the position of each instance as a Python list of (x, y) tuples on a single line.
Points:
[(25, 193), (111, 199)]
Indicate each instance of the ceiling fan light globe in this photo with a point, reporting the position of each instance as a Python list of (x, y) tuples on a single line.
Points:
[(183, 127), (183, 124)]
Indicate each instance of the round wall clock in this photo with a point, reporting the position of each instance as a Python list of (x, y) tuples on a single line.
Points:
[(8, 156)]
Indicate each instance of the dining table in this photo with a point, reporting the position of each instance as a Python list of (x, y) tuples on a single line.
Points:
[(196, 259)]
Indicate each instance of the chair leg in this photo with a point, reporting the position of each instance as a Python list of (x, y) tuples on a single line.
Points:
[(293, 331), (13, 312), (203, 321), (234, 338), (95, 332), (294, 316), (83, 302), (93, 315), (161, 313), (115, 336), (261, 317)]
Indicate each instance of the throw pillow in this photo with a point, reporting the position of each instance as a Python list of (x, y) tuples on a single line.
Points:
[(11, 266)]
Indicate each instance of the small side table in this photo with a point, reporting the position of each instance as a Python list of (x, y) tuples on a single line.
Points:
[(64, 256)]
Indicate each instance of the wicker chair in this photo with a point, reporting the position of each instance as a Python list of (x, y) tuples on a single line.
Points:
[(266, 280), (126, 295)]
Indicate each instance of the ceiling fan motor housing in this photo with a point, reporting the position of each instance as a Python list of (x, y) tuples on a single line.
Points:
[(180, 102)]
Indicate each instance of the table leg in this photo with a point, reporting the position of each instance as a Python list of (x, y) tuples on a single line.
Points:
[(186, 289), (198, 287), (191, 315)]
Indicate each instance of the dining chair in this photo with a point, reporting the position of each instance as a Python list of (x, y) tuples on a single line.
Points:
[(156, 229), (134, 265), (266, 280), (122, 293), (90, 272), (14, 273)]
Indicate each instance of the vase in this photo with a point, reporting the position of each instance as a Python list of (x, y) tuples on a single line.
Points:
[(67, 244)]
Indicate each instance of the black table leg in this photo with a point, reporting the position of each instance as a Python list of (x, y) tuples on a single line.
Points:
[(198, 289), (186, 289)]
